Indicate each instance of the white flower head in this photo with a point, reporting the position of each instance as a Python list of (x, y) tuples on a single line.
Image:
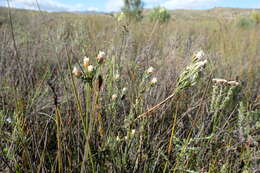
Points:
[(234, 83), (202, 64), (154, 81), (150, 70), (8, 119), (90, 68), (114, 97), (76, 71), (219, 81), (199, 55), (116, 76), (117, 138), (86, 61), (124, 90), (101, 56), (133, 132)]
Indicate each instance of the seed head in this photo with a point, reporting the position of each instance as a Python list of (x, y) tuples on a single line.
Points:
[(117, 138), (76, 72)]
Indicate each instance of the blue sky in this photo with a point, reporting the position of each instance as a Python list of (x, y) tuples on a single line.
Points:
[(115, 5)]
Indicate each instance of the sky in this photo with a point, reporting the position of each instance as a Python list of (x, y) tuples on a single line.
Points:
[(115, 5)]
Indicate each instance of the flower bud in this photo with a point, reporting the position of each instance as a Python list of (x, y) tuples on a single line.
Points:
[(124, 90), (150, 70), (154, 81), (86, 62), (101, 56), (116, 77), (90, 68), (76, 72), (114, 97)]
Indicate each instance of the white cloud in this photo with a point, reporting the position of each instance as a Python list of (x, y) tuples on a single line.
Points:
[(48, 5), (114, 5), (149, 1), (188, 4), (92, 9)]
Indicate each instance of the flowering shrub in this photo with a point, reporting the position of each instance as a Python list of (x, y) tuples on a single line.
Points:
[(255, 16), (246, 22), (133, 9), (120, 16), (160, 14)]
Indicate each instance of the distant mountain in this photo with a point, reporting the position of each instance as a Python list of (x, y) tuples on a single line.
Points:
[(89, 12), (178, 13)]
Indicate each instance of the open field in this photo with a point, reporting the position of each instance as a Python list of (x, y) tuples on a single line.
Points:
[(54, 118)]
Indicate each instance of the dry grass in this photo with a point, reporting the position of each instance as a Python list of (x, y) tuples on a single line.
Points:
[(51, 122)]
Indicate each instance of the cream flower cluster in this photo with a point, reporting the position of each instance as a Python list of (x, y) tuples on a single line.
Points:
[(78, 72), (224, 81), (149, 72)]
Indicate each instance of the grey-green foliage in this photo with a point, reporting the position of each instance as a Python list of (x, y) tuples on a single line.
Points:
[(248, 121), (191, 74), (133, 9), (242, 119), (255, 16), (159, 14), (222, 97), (224, 100), (246, 22), (214, 97)]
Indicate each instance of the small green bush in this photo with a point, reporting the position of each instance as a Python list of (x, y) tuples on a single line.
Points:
[(120, 16), (160, 14), (133, 9), (2, 20), (246, 22), (255, 16)]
